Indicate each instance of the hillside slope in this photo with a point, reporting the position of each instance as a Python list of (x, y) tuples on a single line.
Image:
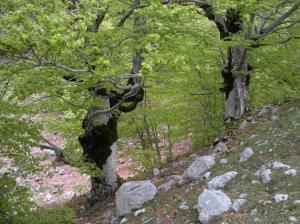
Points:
[(273, 134)]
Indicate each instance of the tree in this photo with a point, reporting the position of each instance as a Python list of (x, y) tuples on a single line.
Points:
[(252, 21), (68, 48)]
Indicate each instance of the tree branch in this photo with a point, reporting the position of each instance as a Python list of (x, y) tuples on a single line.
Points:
[(211, 15), (58, 151), (99, 20), (129, 13), (280, 20)]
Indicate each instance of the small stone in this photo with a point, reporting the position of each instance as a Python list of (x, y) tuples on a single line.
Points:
[(275, 118), (266, 176), (138, 212), (48, 197), (246, 154), (253, 136), (262, 112), (156, 171), (249, 119), (61, 172), (166, 186), (177, 178), (107, 215), (184, 206), (58, 184), (207, 175), (270, 150), (261, 169), (267, 202), (238, 203), (223, 161), (243, 195), (255, 182), (220, 147), (220, 181), (278, 165), (291, 172), (293, 219), (280, 197), (296, 202), (124, 220), (253, 212), (195, 206)]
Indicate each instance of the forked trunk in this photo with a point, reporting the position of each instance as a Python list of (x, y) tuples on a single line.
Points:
[(236, 81)]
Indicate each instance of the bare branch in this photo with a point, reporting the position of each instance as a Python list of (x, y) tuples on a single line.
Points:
[(71, 103), (58, 151)]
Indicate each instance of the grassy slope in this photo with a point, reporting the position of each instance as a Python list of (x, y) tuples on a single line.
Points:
[(282, 137)]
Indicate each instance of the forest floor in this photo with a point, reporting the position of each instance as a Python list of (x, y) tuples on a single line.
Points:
[(272, 134)]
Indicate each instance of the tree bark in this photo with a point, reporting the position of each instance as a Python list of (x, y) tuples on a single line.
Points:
[(99, 146), (236, 81)]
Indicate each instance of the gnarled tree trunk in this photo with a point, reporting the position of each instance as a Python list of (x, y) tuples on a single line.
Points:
[(236, 81), (99, 146)]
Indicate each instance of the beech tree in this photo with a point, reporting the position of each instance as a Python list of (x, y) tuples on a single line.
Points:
[(250, 22)]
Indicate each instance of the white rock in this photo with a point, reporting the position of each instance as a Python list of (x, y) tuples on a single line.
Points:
[(255, 182), (280, 197), (278, 165), (132, 195), (238, 203), (267, 202), (177, 178), (296, 202), (124, 220), (166, 186), (199, 167), (266, 176), (253, 212), (48, 197), (223, 161), (246, 154), (261, 169), (220, 181), (207, 175), (212, 203), (184, 206), (293, 219), (61, 172), (275, 118), (156, 172), (291, 172), (220, 147), (243, 195), (138, 212)]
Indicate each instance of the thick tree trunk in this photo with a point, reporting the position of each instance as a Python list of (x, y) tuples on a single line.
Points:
[(236, 81), (99, 146)]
